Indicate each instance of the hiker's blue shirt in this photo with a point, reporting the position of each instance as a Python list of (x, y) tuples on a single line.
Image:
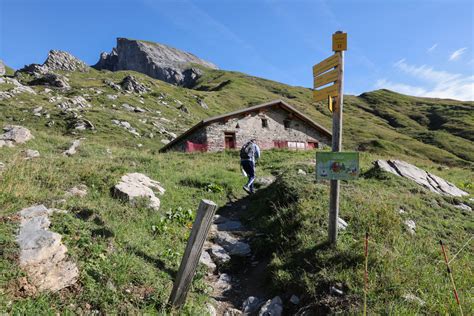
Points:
[(256, 155)]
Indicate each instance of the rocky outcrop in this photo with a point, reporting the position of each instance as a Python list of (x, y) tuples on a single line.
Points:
[(131, 84), (17, 88), (2, 68), (155, 60), (52, 80), (13, 135), (56, 60), (42, 254), (420, 176), (74, 104), (133, 186)]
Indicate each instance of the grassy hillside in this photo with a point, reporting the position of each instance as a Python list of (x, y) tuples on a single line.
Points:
[(128, 256)]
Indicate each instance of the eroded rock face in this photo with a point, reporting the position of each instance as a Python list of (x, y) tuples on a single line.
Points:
[(56, 60), (13, 135), (155, 60), (136, 185), (42, 254), (420, 176)]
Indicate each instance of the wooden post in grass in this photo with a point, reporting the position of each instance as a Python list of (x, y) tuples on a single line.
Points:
[(193, 251), (336, 141)]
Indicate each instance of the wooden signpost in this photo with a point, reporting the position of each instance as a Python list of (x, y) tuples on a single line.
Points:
[(331, 71), (193, 251)]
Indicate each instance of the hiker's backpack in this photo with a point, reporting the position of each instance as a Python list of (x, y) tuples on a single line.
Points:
[(247, 151)]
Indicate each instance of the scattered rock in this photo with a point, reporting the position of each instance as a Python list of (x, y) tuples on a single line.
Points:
[(203, 104), (126, 125), (37, 111), (251, 305), (77, 191), (411, 226), (128, 107), (13, 135), (232, 245), (463, 207), (420, 176), (112, 96), (294, 299), (74, 104), (52, 80), (219, 254), (2, 166), (232, 312), (264, 181), (211, 310), (131, 84), (412, 298), (73, 149), (137, 185), (401, 211), (301, 172), (206, 260), (273, 307), (341, 224), (184, 109), (82, 124), (30, 154), (113, 85), (16, 89), (42, 254)]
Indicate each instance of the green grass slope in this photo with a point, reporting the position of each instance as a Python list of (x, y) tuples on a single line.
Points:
[(128, 256)]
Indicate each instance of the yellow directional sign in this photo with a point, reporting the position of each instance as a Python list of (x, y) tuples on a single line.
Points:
[(326, 64), (339, 42), (319, 95), (326, 78)]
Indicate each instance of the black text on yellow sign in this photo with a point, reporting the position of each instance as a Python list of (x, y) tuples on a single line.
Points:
[(339, 42)]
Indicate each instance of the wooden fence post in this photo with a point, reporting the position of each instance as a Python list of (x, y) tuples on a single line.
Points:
[(193, 251)]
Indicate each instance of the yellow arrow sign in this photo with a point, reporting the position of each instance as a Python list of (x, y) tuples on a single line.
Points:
[(326, 78), (326, 64), (319, 95)]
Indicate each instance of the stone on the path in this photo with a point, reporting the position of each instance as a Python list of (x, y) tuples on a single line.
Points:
[(219, 254), (251, 305), (273, 307), (224, 282), (232, 245), (211, 310), (228, 225), (73, 149), (136, 185), (411, 226), (30, 154), (232, 312), (13, 135), (294, 299), (77, 191), (341, 224), (42, 254), (420, 176), (206, 260), (413, 298)]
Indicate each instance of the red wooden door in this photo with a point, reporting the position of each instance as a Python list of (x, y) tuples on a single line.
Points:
[(229, 140)]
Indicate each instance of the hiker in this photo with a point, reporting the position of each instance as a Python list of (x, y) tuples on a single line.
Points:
[(249, 154)]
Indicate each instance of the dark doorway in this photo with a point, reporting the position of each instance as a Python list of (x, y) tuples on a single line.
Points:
[(229, 140)]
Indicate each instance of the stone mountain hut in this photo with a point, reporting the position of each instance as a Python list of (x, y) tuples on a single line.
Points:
[(275, 124)]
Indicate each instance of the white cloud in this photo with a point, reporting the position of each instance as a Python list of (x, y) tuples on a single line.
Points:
[(437, 84), (457, 53), (432, 48)]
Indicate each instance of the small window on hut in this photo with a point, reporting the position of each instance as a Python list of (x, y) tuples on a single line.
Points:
[(286, 123), (264, 123)]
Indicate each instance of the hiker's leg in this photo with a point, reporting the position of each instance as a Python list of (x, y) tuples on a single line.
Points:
[(249, 170), (251, 175)]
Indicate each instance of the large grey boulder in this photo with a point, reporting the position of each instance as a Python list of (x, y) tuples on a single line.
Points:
[(155, 60), (420, 176), (52, 80), (14, 134), (42, 254), (133, 186), (273, 307)]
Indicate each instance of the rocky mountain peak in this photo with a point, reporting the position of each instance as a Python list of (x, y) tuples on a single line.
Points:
[(2, 68), (155, 60), (57, 60)]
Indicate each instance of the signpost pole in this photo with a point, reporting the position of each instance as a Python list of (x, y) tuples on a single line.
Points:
[(336, 147)]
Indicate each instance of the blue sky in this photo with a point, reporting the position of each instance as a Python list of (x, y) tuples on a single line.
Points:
[(414, 47)]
